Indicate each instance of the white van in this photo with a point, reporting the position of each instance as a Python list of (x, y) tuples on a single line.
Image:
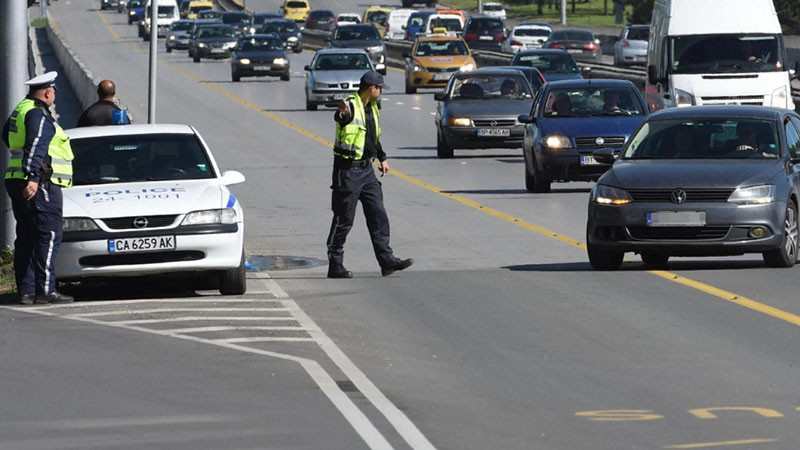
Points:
[(168, 12), (450, 22), (716, 52), (396, 23)]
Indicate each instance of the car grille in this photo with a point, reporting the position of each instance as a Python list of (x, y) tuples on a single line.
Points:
[(692, 195), (591, 142), (128, 259), (494, 122), (127, 223), (343, 85), (757, 100), (679, 233), (441, 69)]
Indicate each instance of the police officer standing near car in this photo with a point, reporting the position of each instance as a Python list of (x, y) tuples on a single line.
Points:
[(357, 143), (39, 167)]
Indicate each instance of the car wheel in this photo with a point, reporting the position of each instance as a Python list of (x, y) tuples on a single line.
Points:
[(298, 49), (169, 49), (130, 21), (534, 180), (410, 89), (310, 106), (233, 281), (196, 58), (786, 254), (285, 77), (603, 259), (442, 150), (655, 259), (235, 77)]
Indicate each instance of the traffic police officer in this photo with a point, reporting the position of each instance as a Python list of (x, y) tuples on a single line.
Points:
[(39, 167), (358, 133)]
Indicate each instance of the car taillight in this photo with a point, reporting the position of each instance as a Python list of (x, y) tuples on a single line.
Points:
[(625, 44), (470, 37), (311, 20), (513, 42), (592, 47), (499, 37), (556, 46)]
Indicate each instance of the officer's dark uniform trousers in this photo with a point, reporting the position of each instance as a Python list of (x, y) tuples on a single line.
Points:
[(354, 181), (39, 230)]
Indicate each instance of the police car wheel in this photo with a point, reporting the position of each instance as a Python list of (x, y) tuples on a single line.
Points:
[(285, 77), (233, 281), (298, 49)]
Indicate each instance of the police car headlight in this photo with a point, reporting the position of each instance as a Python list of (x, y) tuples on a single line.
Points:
[(201, 45), (467, 68), (79, 224), (244, 61), (291, 39), (225, 216), (280, 61)]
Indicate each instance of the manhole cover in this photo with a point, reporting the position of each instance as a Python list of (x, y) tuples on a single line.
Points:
[(256, 263)]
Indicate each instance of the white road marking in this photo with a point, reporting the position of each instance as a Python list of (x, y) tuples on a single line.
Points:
[(242, 340), (416, 108), (433, 113), (404, 426), (192, 319), (399, 103), (118, 422), (245, 328), (202, 299), (169, 310)]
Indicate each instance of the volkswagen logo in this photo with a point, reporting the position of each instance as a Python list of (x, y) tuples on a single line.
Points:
[(140, 222), (599, 141), (678, 196), (493, 123)]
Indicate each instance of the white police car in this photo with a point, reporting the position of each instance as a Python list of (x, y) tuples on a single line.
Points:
[(150, 199)]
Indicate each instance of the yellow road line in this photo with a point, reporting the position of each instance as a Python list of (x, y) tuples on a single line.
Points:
[(723, 443), (669, 276)]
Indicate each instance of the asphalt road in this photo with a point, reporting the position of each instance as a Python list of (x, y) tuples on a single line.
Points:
[(499, 337)]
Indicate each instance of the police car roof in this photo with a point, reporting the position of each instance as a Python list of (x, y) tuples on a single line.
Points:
[(129, 130)]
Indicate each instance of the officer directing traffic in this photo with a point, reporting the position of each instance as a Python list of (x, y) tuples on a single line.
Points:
[(358, 133), (39, 166)]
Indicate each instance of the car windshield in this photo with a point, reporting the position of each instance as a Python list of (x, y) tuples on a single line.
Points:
[(572, 35), (180, 26), (416, 21), (258, 20), (379, 17), (198, 8), (726, 53), (638, 34), (592, 101), (163, 11), (364, 33), (342, 62), (348, 18), (279, 27), (260, 45), (541, 32), (488, 87), (134, 4), (440, 48), (209, 14), (235, 18), (448, 23), (296, 5), (123, 159), (213, 32), (559, 62), (713, 138)]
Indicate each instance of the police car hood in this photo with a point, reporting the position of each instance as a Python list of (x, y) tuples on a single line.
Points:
[(145, 198), (339, 76)]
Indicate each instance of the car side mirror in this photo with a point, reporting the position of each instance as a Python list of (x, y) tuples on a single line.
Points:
[(526, 118), (586, 72), (307, 68), (794, 161), (604, 156), (402, 27), (380, 68), (230, 177), (796, 74), (652, 74), (440, 96)]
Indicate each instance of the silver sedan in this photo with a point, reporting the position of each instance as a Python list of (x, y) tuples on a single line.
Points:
[(335, 73)]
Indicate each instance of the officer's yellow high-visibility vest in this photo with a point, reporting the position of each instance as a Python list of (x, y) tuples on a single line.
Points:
[(350, 138), (59, 150)]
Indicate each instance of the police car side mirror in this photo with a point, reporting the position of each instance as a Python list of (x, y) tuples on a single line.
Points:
[(440, 96), (230, 177)]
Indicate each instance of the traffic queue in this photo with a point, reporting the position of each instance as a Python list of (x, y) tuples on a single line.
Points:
[(687, 181)]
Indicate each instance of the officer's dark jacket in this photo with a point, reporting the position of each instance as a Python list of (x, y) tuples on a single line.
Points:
[(39, 131)]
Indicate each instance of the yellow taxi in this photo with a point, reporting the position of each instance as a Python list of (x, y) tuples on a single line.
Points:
[(195, 6), (296, 10), (377, 16), (434, 58)]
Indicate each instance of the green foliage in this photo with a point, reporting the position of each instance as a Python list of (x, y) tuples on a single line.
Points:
[(641, 11), (789, 15), (7, 283), (587, 12), (39, 22)]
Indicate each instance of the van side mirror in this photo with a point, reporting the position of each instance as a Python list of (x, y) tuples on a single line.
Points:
[(440, 96), (652, 74), (526, 118), (604, 156)]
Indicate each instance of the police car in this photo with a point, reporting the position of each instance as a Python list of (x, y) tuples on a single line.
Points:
[(150, 199)]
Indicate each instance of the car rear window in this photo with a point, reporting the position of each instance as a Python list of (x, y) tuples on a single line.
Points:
[(122, 159), (571, 35), (296, 5), (356, 33), (546, 62), (639, 34), (532, 32), (489, 25)]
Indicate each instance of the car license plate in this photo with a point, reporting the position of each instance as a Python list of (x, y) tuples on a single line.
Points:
[(494, 132), (588, 161), (339, 96), (676, 219), (261, 67), (486, 38), (217, 50), (574, 50), (141, 244), (442, 76)]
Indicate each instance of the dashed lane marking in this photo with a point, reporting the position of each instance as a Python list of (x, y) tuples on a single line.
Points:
[(723, 443), (171, 310), (229, 328), (196, 319), (416, 108), (263, 339)]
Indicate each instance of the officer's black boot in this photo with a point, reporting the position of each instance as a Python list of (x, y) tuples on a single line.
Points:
[(26, 299), (338, 271), (54, 297), (398, 264)]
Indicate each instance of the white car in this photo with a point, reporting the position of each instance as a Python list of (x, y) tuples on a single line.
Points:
[(493, 9), (526, 36), (345, 19), (150, 199)]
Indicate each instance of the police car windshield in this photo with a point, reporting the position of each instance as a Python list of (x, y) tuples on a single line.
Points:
[(259, 45), (342, 62), (124, 159), (440, 48), (279, 27)]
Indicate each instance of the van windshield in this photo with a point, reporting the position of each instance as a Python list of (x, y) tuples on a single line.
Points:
[(726, 53)]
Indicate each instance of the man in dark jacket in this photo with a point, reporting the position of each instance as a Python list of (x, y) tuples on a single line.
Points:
[(104, 111)]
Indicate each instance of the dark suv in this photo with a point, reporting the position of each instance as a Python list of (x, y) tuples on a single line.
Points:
[(319, 19), (485, 33)]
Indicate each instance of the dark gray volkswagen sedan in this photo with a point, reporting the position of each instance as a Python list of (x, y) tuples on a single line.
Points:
[(700, 181)]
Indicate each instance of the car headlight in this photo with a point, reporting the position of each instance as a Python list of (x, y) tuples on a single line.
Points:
[(201, 45), (280, 61), (291, 39), (132, 13), (467, 68), (607, 195), (225, 216), (320, 85), (229, 45), (172, 37), (779, 97), (556, 142), (683, 98), (244, 61), (252, 30), (460, 122), (418, 68), (375, 48), (753, 195), (79, 224)]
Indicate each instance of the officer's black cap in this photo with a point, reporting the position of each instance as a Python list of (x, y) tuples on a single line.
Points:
[(372, 78)]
